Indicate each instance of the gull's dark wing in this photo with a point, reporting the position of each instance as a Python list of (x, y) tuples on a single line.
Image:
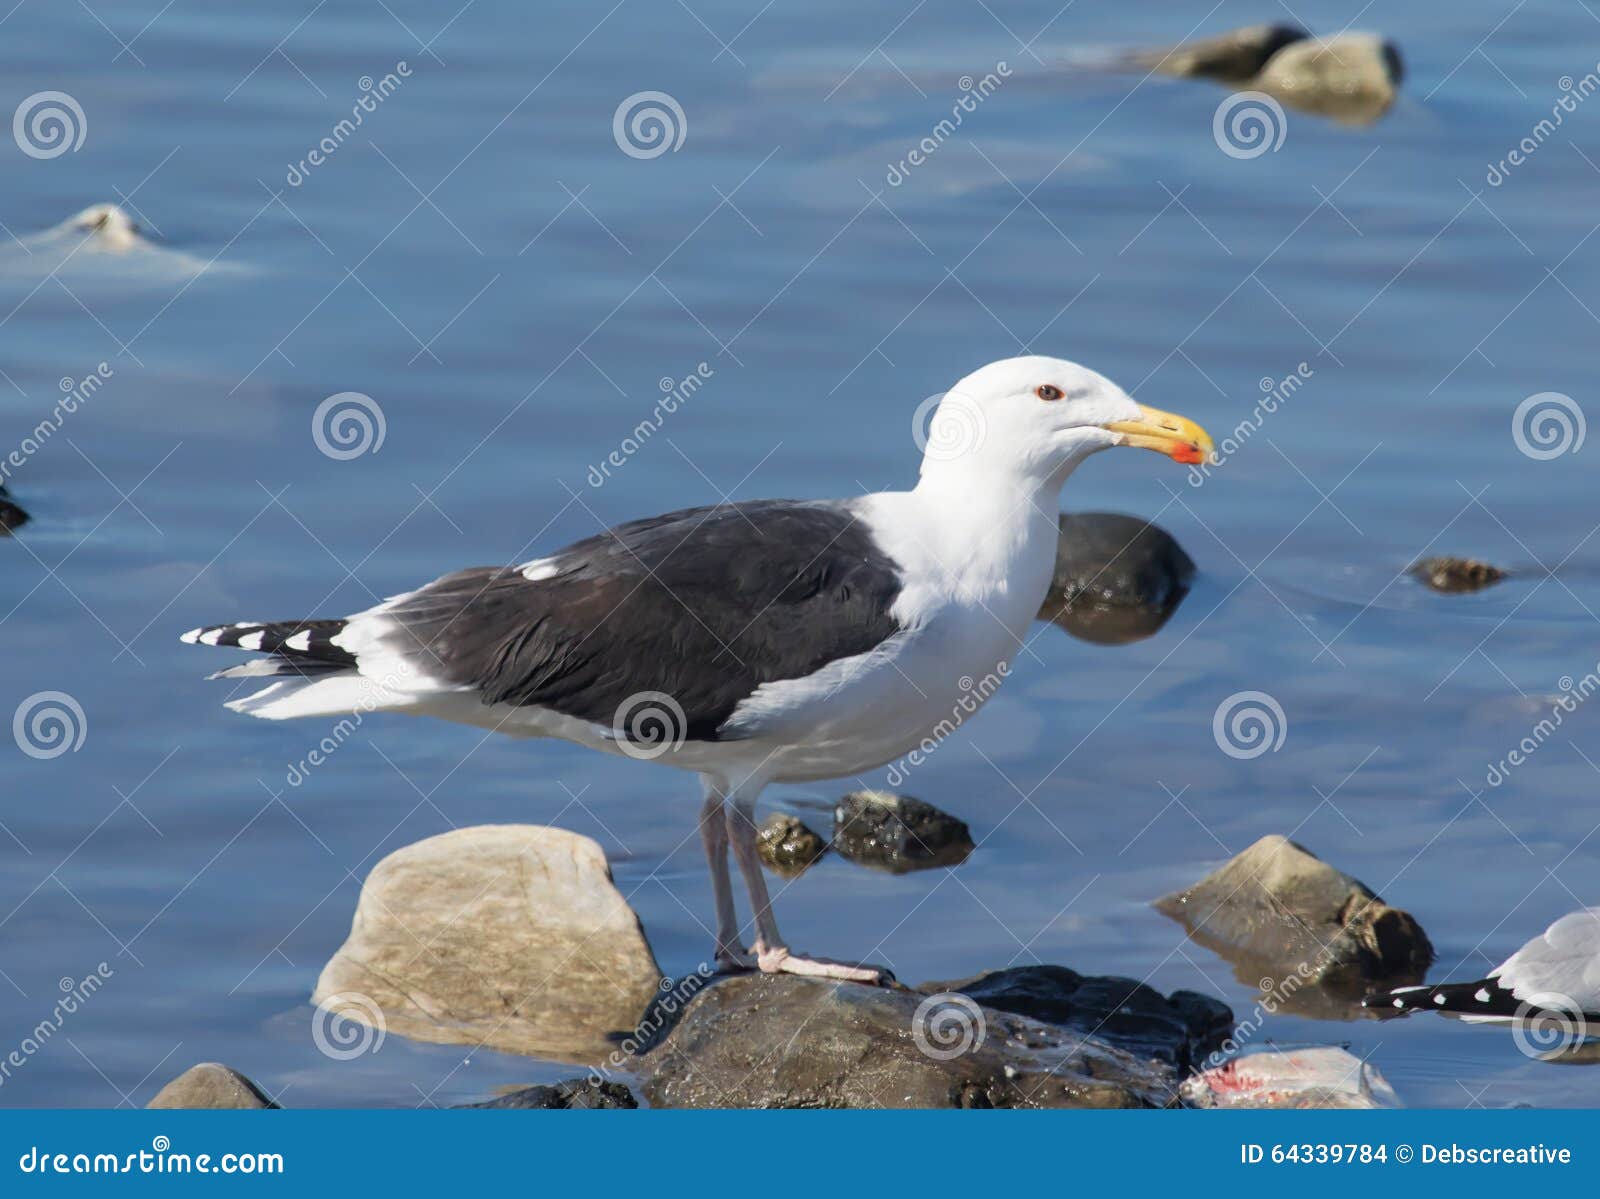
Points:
[(703, 605)]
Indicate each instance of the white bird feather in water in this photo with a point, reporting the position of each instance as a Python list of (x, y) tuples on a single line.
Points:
[(1556, 973), (771, 641)]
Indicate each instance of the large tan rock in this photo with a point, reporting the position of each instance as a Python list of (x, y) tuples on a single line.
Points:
[(211, 1085), (510, 936), (1310, 936), (1353, 77)]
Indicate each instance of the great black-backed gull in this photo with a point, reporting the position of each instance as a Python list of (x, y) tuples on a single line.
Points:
[(759, 642), (1556, 975)]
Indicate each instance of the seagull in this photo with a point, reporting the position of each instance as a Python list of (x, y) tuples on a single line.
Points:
[(1556, 974), (773, 641)]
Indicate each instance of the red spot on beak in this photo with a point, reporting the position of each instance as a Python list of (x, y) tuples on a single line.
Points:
[(1188, 454)]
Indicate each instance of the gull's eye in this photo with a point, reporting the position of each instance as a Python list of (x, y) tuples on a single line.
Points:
[(1047, 391)]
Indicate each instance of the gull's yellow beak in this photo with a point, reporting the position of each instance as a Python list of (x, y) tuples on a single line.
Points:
[(1175, 436)]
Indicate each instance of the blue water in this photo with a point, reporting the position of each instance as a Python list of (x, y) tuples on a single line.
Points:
[(482, 260)]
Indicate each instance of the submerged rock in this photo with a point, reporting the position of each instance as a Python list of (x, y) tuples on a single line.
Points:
[(11, 516), (509, 936), (1179, 1030), (110, 229), (104, 243), (782, 1041), (572, 1094), (1117, 578), (1322, 1077), (897, 833), (1352, 77), (211, 1085), (1455, 575), (787, 846), (1315, 938), (1233, 57)]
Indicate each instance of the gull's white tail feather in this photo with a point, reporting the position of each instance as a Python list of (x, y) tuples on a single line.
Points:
[(331, 695)]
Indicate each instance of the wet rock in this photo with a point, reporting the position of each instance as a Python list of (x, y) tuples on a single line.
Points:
[(1456, 575), (1233, 57), (510, 936), (787, 846), (1309, 933), (211, 1085), (1179, 1031), (1117, 578), (104, 243), (11, 516), (781, 1041), (897, 833), (110, 229), (1350, 77), (1321, 1077), (1353, 77), (572, 1094)]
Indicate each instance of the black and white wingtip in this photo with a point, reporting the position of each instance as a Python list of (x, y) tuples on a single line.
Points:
[(1485, 999), (296, 646)]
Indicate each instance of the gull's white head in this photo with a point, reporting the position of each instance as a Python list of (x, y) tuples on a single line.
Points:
[(1034, 419)]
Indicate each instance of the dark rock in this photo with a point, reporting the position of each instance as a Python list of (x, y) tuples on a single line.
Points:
[(772, 1041), (211, 1085), (573, 1093), (1117, 578), (897, 833), (1456, 575), (11, 516), (787, 846), (1232, 57), (1179, 1031), (1312, 938)]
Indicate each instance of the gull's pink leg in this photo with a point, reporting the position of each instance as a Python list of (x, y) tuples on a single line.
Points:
[(714, 836), (772, 955)]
